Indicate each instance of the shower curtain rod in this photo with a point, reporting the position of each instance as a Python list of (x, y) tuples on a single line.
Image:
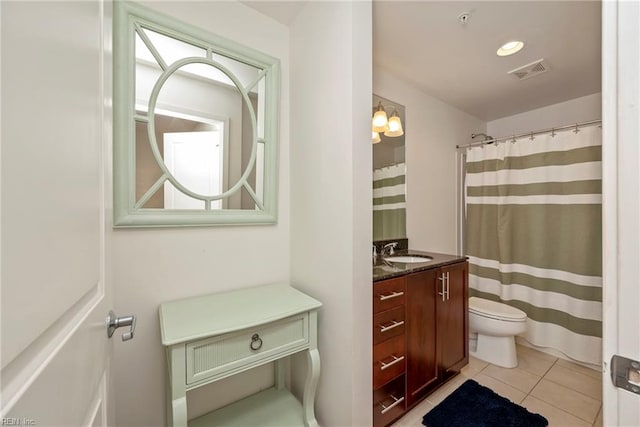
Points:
[(530, 134)]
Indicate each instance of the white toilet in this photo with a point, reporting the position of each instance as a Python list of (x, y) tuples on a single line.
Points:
[(495, 325)]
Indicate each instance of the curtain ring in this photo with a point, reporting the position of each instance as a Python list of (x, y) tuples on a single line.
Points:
[(531, 138), (576, 130), (513, 139), (553, 132)]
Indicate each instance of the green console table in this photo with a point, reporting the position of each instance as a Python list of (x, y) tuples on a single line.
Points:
[(211, 337)]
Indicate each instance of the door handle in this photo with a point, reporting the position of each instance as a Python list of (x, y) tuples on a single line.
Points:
[(443, 279), (448, 282), (114, 322), (445, 286)]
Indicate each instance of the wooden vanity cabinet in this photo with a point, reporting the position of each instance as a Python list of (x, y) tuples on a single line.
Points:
[(433, 328)]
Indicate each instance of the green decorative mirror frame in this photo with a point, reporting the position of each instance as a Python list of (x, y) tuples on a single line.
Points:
[(195, 125)]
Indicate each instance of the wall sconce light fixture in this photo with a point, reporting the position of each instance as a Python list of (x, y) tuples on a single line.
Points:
[(391, 126)]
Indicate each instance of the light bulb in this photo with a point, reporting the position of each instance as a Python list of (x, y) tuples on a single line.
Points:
[(510, 48), (395, 126), (380, 123)]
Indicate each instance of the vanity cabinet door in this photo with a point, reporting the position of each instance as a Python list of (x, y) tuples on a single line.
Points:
[(452, 319), (422, 367)]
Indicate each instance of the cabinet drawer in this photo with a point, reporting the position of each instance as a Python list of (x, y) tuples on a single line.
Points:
[(388, 360), (388, 324), (389, 402), (225, 354), (388, 294)]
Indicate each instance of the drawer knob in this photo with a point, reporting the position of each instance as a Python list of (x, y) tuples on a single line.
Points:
[(256, 342)]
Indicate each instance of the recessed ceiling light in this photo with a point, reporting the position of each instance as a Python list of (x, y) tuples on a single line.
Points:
[(510, 48)]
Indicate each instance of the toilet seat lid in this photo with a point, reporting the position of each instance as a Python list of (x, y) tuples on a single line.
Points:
[(495, 310)]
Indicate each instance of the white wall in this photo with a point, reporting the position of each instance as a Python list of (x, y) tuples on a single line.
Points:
[(432, 131), (331, 197), (576, 110), (152, 266)]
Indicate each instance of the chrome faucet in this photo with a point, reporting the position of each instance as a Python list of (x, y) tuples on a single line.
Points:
[(375, 251), (390, 247)]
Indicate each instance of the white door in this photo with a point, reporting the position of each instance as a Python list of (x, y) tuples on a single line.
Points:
[(621, 202), (55, 121)]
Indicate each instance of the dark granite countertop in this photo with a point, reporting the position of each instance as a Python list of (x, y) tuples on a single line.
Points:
[(384, 270)]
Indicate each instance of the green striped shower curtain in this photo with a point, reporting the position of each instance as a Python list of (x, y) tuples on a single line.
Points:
[(534, 228), (389, 208)]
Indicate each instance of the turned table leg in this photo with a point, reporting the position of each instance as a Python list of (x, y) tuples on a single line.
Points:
[(313, 374)]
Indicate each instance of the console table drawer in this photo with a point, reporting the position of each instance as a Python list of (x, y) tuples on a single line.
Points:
[(225, 354)]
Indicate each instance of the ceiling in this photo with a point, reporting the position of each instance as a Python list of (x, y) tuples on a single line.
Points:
[(282, 11), (424, 42)]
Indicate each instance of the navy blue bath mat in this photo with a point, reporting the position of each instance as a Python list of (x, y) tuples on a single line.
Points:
[(473, 405)]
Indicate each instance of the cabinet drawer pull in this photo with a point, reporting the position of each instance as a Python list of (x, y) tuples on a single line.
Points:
[(391, 295), (394, 324), (395, 403), (256, 342), (390, 364)]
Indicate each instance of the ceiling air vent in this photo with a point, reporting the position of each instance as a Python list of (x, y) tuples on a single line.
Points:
[(530, 70)]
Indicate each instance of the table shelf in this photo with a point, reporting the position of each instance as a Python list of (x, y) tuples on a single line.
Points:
[(269, 408)]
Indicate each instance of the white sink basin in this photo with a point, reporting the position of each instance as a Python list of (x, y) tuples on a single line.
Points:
[(408, 259)]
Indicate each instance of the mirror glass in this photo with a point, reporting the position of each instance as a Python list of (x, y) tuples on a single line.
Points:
[(389, 178), (195, 138)]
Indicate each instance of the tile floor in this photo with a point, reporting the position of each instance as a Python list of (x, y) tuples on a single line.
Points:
[(567, 394)]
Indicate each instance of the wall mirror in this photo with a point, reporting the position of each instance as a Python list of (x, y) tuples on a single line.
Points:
[(195, 125), (389, 172)]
